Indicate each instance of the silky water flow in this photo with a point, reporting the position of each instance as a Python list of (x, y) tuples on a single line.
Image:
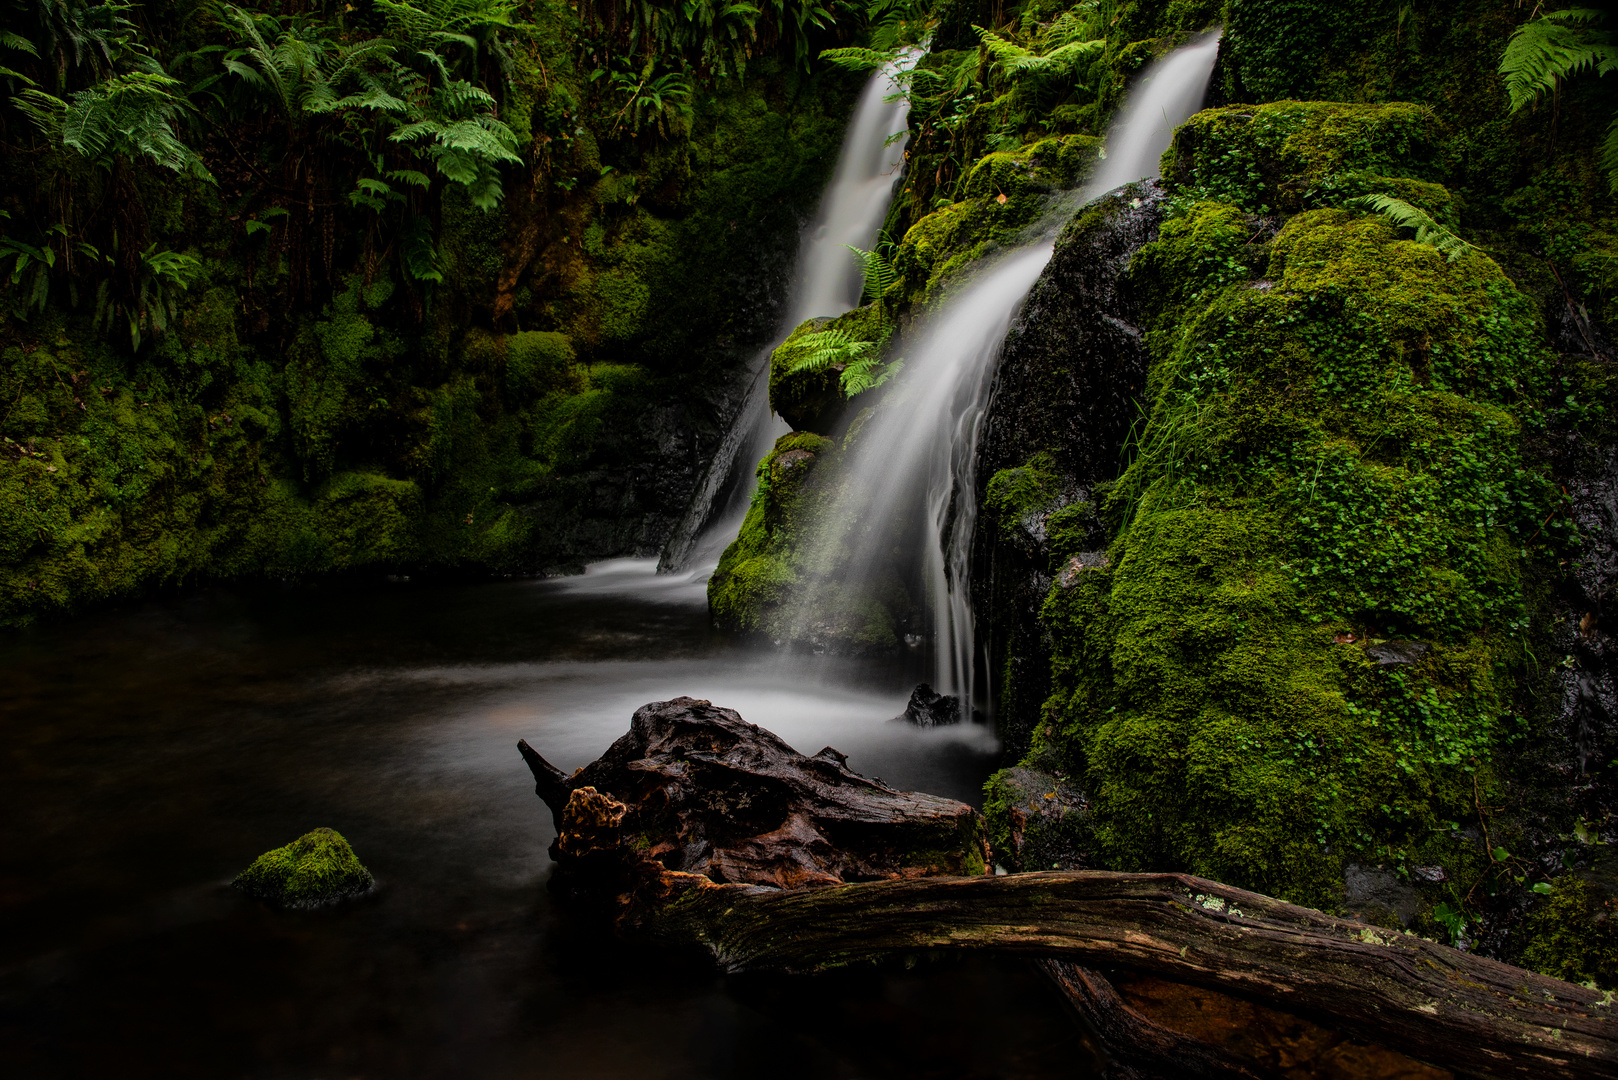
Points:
[(915, 456), (826, 281)]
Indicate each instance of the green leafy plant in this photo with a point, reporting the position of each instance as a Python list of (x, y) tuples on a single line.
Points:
[(1545, 52), (1404, 215), (858, 362), (126, 117), (159, 279), (876, 268)]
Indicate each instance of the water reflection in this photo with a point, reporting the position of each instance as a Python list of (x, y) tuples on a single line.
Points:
[(151, 753)]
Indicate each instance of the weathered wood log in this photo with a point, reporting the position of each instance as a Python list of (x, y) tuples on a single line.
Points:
[(695, 796), (1136, 1048), (698, 829), (1463, 1012)]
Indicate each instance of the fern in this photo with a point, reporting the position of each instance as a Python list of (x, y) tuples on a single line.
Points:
[(127, 116), (858, 362), (876, 269), (826, 348), (1404, 215), (1554, 47), (857, 59)]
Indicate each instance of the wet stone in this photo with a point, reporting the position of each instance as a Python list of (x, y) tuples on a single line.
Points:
[(1376, 895), (1396, 652)]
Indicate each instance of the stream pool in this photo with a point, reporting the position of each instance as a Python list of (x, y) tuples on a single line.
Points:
[(152, 752)]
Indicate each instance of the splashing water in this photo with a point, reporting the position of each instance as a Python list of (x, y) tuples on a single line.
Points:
[(826, 281), (923, 437)]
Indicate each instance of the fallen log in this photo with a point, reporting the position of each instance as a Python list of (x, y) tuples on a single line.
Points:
[(697, 829)]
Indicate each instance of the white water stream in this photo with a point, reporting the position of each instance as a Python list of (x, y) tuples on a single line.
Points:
[(924, 437), (826, 282)]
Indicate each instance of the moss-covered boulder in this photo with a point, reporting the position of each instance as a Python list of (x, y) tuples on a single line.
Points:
[(1006, 194), (814, 400), (782, 577), (316, 869), (1288, 155)]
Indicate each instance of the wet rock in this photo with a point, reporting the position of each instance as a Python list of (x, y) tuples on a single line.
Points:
[(1073, 366), (1037, 821), (929, 709), (1376, 895), (1078, 564), (694, 796), (316, 869), (1385, 653)]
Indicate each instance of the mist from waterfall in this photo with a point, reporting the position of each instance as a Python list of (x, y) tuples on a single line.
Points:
[(826, 281), (923, 437)]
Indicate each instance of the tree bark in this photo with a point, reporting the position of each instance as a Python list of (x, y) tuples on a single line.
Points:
[(1436, 1004), (1136, 1048)]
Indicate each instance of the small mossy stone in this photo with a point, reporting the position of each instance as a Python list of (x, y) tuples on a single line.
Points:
[(316, 869)]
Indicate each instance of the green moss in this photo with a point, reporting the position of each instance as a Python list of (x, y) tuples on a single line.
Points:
[(539, 363), (1006, 194), (317, 869), (1291, 154), (1332, 454), (1572, 934)]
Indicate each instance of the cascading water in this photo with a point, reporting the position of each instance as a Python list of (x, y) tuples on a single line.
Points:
[(924, 437), (826, 281)]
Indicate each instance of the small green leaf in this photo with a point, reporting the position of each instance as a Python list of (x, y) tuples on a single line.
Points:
[(1501, 854), (1543, 888)]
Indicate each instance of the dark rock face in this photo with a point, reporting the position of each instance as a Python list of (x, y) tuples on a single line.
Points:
[(1375, 894), (694, 796), (1387, 653), (928, 708), (1072, 369)]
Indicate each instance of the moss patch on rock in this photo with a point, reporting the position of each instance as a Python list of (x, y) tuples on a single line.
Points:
[(1572, 934), (1331, 458), (316, 869)]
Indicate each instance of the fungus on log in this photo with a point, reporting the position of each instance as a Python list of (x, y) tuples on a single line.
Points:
[(700, 829)]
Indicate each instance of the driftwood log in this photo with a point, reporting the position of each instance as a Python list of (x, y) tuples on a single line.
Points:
[(697, 829)]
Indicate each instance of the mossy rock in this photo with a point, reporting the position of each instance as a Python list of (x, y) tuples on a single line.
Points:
[(1324, 418), (539, 363), (813, 400), (1572, 934), (316, 869), (1287, 156), (1006, 194)]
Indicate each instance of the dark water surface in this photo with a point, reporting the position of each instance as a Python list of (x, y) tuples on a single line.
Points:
[(151, 754)]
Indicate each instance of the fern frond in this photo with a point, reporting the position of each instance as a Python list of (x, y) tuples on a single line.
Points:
[(1404, 215), (825, 348), (1551, 48), (876, 272), (1005, 53), (857, 59), (865, 375), (1609, 156)]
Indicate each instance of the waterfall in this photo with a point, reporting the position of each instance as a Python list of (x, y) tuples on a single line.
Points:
[(924, 435), (826, 282)]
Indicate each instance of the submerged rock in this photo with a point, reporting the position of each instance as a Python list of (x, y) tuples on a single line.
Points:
[(316, 869)]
